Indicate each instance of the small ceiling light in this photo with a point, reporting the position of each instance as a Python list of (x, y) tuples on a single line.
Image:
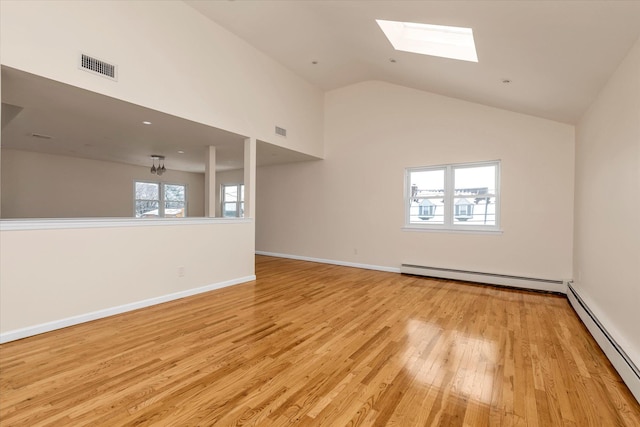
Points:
[(506, 81), (434, 40), (314, 62), (180, 152), (160, 169), (146, 123), (392, 60)]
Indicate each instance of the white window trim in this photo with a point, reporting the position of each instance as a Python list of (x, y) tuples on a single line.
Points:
[(161, 201), (73, 223), (449, 198), (239, 203)]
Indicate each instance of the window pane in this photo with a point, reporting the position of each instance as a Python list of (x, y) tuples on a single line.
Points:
[(174, 193), (427, 197), (174, 205), (230, 193), (473, 202), (474, 211), (230, 209), (147, 209), (242, 192), (475, 181), (174, 210), (147, 191), (242, 209), (428, 183), (427, 211)]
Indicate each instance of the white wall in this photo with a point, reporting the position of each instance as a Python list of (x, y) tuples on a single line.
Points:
[(50, 275), (170, 58), (353, 200), (607, 206), (38, 185)]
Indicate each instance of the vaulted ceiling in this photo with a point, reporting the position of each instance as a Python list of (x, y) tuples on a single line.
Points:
[(557, 54)]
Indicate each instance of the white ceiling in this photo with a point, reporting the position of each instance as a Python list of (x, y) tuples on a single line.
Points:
[(558, 54), (90, 125)]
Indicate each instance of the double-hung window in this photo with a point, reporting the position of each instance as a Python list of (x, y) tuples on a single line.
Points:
[(159, 200), (453, 197), (232, 200)]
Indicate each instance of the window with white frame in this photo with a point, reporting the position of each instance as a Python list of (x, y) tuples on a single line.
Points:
[(232, 200), (453, 197), (160, 200)]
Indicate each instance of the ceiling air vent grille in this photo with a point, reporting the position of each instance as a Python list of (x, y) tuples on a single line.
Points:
[(281, 131), (41, 136), (97, 66)]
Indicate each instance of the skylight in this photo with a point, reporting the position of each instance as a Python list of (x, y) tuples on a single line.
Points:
[(435, 40)]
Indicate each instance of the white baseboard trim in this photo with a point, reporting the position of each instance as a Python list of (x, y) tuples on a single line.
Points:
[(626, 368), (331, 261), (99, 314), (530, 283)]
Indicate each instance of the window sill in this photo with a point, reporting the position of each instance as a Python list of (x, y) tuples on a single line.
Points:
[(451, 230), (65, 223)]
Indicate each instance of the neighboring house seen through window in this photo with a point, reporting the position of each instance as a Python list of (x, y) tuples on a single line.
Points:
[(454, 197), (159, 200), (232, 200)]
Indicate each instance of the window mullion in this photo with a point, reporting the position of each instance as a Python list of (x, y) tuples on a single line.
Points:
[(161, 201), (448, 196), (407, 196), (497, 202)]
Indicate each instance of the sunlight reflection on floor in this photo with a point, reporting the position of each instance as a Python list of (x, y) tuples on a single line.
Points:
[(469, 361)]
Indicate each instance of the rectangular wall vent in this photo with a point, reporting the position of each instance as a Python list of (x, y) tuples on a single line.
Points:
[(281, 131), (97, 66)]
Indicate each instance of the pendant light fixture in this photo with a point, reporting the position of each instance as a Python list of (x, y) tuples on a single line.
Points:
[(160, 169)]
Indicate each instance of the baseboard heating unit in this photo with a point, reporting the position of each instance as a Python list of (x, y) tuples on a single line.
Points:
[(558, 286), (629, 372)]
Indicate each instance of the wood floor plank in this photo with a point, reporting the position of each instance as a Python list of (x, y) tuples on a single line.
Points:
[(321, 345)]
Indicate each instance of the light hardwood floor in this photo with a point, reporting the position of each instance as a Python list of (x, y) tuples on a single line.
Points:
[(320, 345)]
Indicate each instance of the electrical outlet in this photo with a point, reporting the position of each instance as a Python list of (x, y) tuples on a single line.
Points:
[(181, 271)]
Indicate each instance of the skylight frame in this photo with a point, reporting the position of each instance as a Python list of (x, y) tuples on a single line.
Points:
[(428, 39)]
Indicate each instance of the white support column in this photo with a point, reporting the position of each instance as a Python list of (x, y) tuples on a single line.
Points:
[(250, 178), (210, 182)]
